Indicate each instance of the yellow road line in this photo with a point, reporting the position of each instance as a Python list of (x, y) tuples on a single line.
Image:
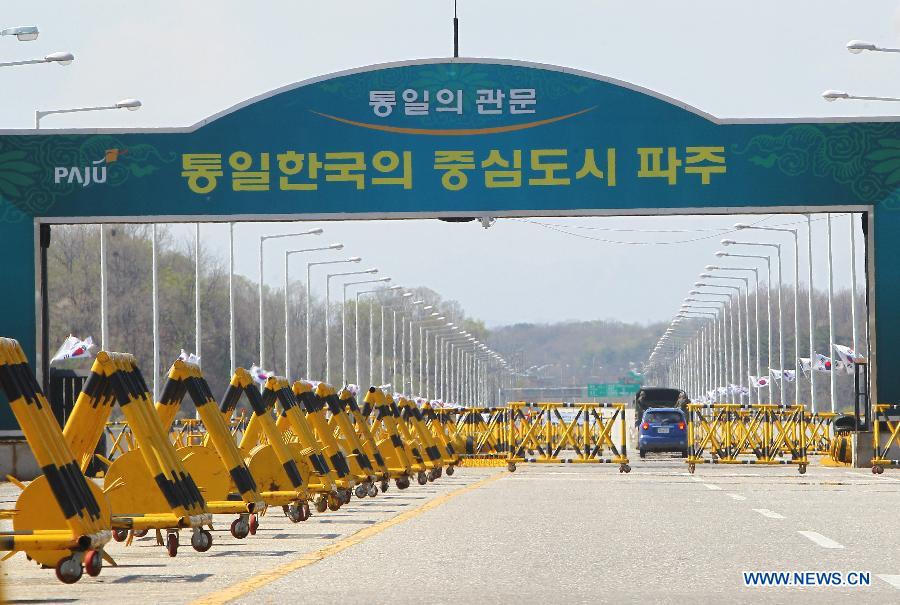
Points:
[(256, 582)]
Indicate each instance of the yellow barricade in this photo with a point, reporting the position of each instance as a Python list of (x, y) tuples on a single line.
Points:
[(880, 451), (542, 433), (741, 434), (61, 520)]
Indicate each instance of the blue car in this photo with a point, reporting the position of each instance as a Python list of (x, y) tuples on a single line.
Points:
[(663, 430)]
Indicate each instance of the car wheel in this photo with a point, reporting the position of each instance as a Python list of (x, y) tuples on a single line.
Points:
[(684, 453), (643, 453)]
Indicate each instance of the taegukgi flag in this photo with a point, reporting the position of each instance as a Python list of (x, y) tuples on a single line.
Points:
[(760, 382), (260, 376), (189, 357), (786, 375), (848, 357), (73, 348)]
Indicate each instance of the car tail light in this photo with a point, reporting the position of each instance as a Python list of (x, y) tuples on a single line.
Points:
[(680, 426), (645, 426)]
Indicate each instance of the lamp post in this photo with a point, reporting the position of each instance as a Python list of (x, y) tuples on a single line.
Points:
[(834, 95), (746, 343), (755, 314), (23, 33), (433, 384), (722, 338), (740, 345), (309, 266), (393, 309), (830, 348), (327, 317), (406, 376), (731, 242), (262, 240), (129, 104), (356, 327), (287, 313), (794, 233), (58, 58)]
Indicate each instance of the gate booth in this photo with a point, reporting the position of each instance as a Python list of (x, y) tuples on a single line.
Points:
[(448, 138)]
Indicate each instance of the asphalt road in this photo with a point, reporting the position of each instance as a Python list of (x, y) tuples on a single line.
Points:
[(545, 534)]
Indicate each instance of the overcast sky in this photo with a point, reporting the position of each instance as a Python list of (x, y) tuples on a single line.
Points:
[(187, 60)]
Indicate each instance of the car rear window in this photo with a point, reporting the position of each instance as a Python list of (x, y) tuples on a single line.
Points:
[(663, 417)]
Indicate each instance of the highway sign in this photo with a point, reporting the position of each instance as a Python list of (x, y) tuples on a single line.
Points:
[(612, 389)]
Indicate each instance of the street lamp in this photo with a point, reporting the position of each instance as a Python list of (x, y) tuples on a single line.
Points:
[(328, 314), (858, 46), (309, 266), (287, 322), (24, 33), (262, 240), (731, 242), (355, 326), (393, 308), (794, 233), (129, 104), (834, 95), (59, 58)]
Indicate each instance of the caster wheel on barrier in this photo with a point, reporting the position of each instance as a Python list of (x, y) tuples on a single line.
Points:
[(511, 467), (69, 570), (802, 469), (438, 472), (254, 524), (304, 511), (361, 490), (334, 502), (201, 540), (626, 468), (431, 476), (373, 491), (240, 528), (321, 505), (172, 544), (878, 469), (93, 563), (120, 535), (691, 468), (384, 485), (402, 483), (450, 470), (422, 478)]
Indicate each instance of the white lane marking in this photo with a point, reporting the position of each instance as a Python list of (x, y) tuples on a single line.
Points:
[(819, 539), (771, 514), (893, 580), (737, 496), (711, 486)]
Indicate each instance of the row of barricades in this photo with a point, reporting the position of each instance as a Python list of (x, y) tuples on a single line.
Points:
[(725, 433), (303, 444), (544, 432)]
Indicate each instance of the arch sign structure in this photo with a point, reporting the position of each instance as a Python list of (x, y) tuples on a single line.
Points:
[(453, 137)]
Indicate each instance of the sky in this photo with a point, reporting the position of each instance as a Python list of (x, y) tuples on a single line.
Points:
[(186, 61)]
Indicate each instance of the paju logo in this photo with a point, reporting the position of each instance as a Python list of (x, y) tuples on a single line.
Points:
[(85, 175)]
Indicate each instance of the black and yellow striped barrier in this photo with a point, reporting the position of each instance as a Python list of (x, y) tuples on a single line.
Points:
[(148, 487), (282, 472), (881, 443), (61, 519), (210, 456), (747, 434)]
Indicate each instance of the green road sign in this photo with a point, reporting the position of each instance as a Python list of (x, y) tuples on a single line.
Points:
[(612, 389)]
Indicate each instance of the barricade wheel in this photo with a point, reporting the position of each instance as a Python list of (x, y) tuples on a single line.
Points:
[(334, 504), (511, 467), (877, 469), (304, 511), (402, 482), (373, 491), (346, 496), (626, 468), (93, 563), (691, 468), (69, 570), (361, 490), (422, 478), (201, 540), (321, 505), (450, 470), (384, 485), (254, 524), (430, 476), (240, 529), (294, 512), (802, 469), (438, 472), (120, 535), (172, 544)]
